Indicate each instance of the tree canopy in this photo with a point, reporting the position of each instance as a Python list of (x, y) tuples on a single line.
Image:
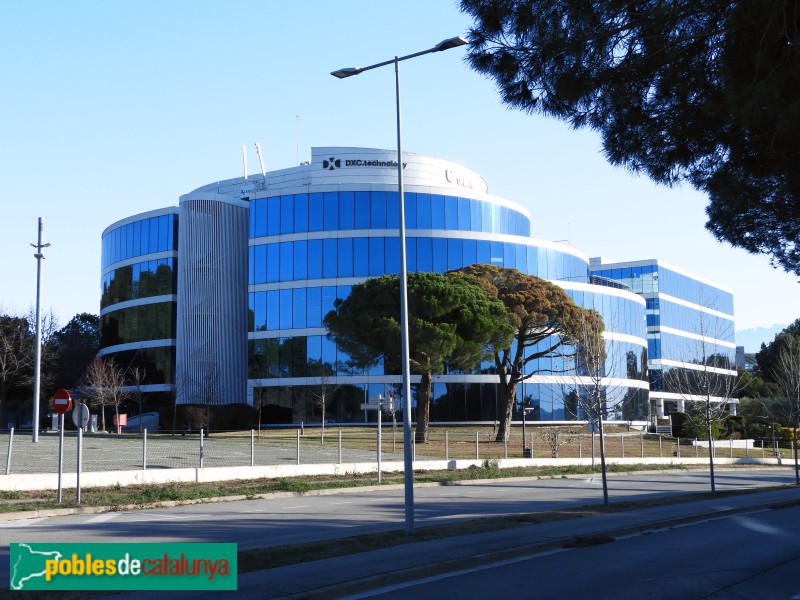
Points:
[(703, 92), (450, 323), (545, 321)]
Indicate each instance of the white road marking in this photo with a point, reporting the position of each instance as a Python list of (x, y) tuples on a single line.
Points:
[(20, 523), (103, 518), (168, 517)]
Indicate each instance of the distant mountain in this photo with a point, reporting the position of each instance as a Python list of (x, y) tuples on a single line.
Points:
[(752, 339)]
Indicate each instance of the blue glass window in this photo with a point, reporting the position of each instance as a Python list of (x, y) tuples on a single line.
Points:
[(329, 260), (497, 253), (137, 239), (301, 213), (328, 298), (410, 201), (345, 257), (376, 261), (260, 219), (153, 245), (451, 212), (287, 260), (475, 215), (346, 210), (314, 259), (392, 257), (360, 257), (300, 260), (484, 252), (378, 210), (314, 348), (287, 214), (522, 258), (299, 308), (163, 234), (486, 216), (260, 309), (273, 262), (533, 254), (315, 212), (411, 255), (439, 255), (423, 211), (424, 255), (260, 268), (273, 215), (286, 309), (463, 214), (509, 256), (392, 210), (362, 210), (330, 209), (470, 252), (273, 310), (437, 211), (314, 307), (454, 254)]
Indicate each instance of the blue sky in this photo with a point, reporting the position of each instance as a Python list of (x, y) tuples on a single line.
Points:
[(112, 108)]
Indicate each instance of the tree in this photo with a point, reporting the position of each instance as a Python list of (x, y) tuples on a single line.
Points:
[(450, 321), (708, 383), (104, 385), (325, 388), (16, 355), (137, 376), (543, 318), (71, 349), (786, 374), (703, 92)]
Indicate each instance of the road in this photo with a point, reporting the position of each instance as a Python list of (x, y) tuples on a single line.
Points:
[(295, 519), (751, 555)]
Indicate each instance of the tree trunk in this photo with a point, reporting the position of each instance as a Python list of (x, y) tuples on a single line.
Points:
[(423, 409), (602, 455), (710, 445), (507, 392)]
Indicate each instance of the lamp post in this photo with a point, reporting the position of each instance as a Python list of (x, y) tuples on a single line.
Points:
[(37, 361), (406, 391)]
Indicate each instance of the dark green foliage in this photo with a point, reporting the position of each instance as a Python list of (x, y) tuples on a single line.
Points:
[(72, 348), (450, 324), (704, 92), (767, 357)]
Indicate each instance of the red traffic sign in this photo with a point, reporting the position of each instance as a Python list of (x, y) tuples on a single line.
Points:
[(62, 401)]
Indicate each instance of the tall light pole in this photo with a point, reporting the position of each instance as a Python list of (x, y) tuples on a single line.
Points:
[(37, 361), (408, 464)]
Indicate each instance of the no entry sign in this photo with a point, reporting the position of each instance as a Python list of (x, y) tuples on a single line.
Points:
[(62, 401)]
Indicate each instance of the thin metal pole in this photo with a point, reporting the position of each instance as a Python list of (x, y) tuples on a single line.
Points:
[(505, 447), (731, 445), (679, 447), (60, 455), (298, 446), (340, 446), (252, 448), (696, 450), (144, 449), (580, 447), (660, 455), (378, 446), (408, 459), (477, 447), (201, 448), (79, 465), (447, 445), (622, 444), (10, 446), (37, 363), (642, 440)]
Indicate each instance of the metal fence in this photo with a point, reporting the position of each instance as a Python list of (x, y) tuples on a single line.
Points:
[(113, 452)]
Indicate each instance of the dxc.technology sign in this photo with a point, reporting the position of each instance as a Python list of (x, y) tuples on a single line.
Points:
[(333, 163)]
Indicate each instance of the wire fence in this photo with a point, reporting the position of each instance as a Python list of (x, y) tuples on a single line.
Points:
[(122, 452)]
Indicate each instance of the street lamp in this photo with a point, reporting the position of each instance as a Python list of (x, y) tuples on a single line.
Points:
[(37, 361), (406, 391)]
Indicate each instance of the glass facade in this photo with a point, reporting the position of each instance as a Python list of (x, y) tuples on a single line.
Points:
[(131, 312)]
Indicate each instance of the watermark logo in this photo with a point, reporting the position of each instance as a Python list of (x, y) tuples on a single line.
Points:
[(123, 566)]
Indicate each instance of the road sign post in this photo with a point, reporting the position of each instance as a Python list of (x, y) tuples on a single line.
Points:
[(377, 404), (62, 402)]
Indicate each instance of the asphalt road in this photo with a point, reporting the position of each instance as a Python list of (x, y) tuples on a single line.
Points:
[(292, 519), (743, 556)]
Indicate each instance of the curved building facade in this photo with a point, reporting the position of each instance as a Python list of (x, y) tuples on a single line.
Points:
[(309, 233)]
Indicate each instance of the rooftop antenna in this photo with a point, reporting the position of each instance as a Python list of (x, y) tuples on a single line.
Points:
[(261, 161), (244, 160), (297, 138)]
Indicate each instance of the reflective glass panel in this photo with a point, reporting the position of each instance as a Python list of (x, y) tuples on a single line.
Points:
[(362, 210), (329, 258), (314, 259), (285, 309), (315, 212), (300, 260), (273, 215), (378, 210), (360, 257), (330, 204), (287, 214), (345, 257), (301, 213), (346, 210)]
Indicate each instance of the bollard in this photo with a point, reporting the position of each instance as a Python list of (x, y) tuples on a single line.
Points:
[(642, 440), (201, 448), (340, 446), (659, 446), (679, 448), (696, 451), (10, 446), (60, 454), (477, 447), (252, 447), (79, 462), (505, 447), (144, 449), (580, 446), (531, 444), (298, 446), (731, 443), (446, 446), (622, 444)]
